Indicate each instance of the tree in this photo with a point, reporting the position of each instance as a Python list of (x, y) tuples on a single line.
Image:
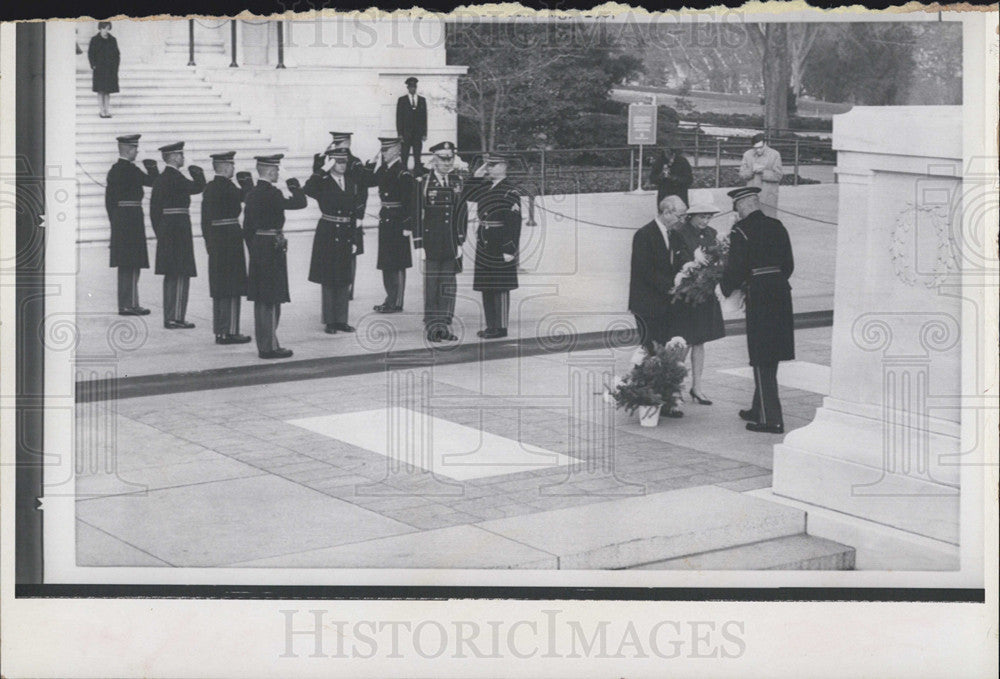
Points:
[(771, 43), (801, 37), (529, 79)]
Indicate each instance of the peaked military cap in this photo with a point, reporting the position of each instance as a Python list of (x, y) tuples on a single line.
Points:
[(445, 149), (411, 81), (132, 139), (339, 154), (389, 142), (743, 192), (274, 160), (223, 157), (341, 136), (496, 158), (170, 148)]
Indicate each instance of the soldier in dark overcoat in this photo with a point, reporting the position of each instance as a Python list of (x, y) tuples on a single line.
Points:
[(169, 211), (123, 195), (263, 225), (442, 221), (760, 262), (221, 205), (395, 189), (498, 240), (339, 238), (356, 173)]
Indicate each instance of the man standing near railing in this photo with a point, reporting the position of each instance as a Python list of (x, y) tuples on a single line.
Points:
[(169, 212), (411, 124), (671, 175), (761, 167)]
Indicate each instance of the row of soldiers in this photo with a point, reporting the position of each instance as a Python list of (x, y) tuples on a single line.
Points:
[(429, 213)]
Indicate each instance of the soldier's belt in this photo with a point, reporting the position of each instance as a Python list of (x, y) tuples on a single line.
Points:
[(130, 203), (765, 270), (492, 225), (391, 204), (175, 210), (337, 219), (226, 222), (268, 232)]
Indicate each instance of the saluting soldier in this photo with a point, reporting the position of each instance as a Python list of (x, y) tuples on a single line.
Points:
[(339, 238), (263, 224), (123, 201), (221, 205), (497, 242), (169, 211), (395, 189), (760, 261), (355, 172), (440, 229)]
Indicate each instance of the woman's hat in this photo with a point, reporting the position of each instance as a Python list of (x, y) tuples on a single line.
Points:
[(705, 208)]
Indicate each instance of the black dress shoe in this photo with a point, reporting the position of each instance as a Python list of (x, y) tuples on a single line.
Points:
[(277, 353), (699, 399), (447, 336), (330, 329), (433, 337), (128, 312), (667, 411), (140, 311), (240, 339), (766, 428), (748, 415), (383, 308), (494, 333), (343, 327), (178, 325), (484, 333)]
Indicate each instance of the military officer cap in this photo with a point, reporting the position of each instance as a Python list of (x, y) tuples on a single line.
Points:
[(445, 150), (411, 81), (496, 158), (742, 192), (270, 161), (339, 137), (226, 157), (757, 139), (130, 139), (337, 154), (389, 142), (172, 148)]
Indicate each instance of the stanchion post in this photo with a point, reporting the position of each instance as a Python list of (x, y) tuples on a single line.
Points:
[(191, 42), (639, 178), (697, 129), (232, 40), (795, 180), (531, 211), (631, 169), (541, 179), (718, 162), (281, 44)]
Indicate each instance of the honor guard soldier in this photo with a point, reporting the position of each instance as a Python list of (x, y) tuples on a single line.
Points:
[(355, 172), (169, 211), (263, 225), (439, 230), (123, 200), (497, 241), (339, 238), (760, 261), (221, 204), (395, 189)]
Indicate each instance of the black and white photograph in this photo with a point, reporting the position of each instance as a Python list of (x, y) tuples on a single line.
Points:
[(656, 307)]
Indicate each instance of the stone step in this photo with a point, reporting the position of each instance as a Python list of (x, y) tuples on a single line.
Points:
[(142, 116), (192, 138), (792, 553), (87, 104)]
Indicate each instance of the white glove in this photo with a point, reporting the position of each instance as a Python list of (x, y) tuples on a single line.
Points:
[(407, 233), (718, 292), (423, 254), (508, 258), (328, 165)]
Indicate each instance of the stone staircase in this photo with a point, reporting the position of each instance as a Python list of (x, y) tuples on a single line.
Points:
[(166, 104)]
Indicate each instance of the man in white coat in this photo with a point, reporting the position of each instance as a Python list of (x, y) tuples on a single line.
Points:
[(761, 167)]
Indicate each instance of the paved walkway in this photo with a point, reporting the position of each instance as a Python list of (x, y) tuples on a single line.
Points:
[(287, 475), (575, 280)]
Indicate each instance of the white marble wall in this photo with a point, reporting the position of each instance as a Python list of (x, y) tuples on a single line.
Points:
[(884, 447)]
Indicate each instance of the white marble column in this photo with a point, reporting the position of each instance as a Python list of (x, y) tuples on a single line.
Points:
[(884, 448)]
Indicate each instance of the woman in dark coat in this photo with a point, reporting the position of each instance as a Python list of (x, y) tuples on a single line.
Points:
[(702, 322), (104, 59)]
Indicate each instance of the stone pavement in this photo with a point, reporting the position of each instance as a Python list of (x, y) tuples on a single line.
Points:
[(231, 477), (575, 280)]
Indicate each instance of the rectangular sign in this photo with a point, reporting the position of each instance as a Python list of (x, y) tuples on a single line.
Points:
[(641, 124)]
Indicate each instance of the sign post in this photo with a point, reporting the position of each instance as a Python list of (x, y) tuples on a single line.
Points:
[(641, 131)]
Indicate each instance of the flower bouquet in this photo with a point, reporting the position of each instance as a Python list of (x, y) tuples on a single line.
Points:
[(653, 382), (695, 282)]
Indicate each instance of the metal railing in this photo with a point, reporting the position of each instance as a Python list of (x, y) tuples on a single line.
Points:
[(280, 27)]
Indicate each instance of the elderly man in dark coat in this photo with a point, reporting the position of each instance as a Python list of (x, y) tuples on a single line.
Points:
[(651, 278), (671, 175), (263, 225), (339, 238), (169, 211), (395, 189), (221, 205), (497, 242), (123, 200), (760, 262)]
